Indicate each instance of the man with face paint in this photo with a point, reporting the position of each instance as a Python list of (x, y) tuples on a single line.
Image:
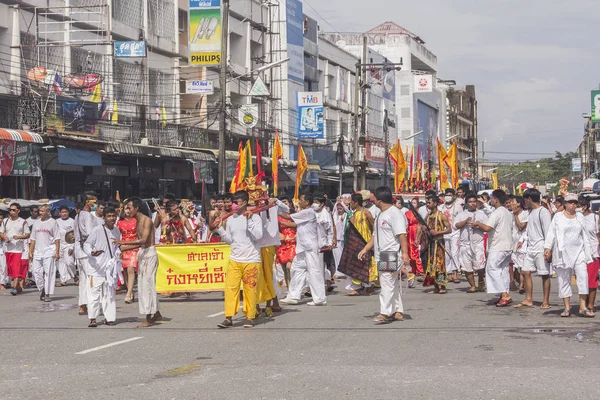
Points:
[(451, 208), (243, 232)]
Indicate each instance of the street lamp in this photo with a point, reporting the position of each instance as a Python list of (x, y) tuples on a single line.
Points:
[(451, 137), (412, 136), (493, 169), (261, 69)]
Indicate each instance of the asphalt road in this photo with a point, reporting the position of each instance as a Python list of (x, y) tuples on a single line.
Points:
[(453, 346)]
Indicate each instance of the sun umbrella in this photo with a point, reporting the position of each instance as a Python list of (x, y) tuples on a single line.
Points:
[(526, 185), (588, 184)]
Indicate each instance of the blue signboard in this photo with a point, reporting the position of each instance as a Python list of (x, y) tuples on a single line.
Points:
[(130, 49), (310, 115), (295, 40)]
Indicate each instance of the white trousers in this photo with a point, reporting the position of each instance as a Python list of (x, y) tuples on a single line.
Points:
[(390, 296), (4, 278), (66, 265), (307, 267), (564, 280), (147, 267), (44, 273), (326, 271), (82, 264), (497, 277), (100, 298), (452, 254), (337, 255)]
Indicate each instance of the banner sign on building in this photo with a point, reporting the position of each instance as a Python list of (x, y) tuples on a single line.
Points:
[(130, 49), (248, 115), (295, 40), (27, 160), (595, 105), (192, 268), (423, 83), (7, 156), (310, 115), (199, 87), (576, 165), (205, 32)]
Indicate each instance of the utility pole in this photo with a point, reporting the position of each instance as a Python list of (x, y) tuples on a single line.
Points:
[(223, 84), (340, 152), (386, 146), (363, 132), (355, 160)]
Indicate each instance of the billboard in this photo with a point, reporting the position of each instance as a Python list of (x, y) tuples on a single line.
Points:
[(576, 165), (423, 83), (130, 49), (427, 118), (310, 115), (204, 32), (295, 40), (199, 87), (595, 105)]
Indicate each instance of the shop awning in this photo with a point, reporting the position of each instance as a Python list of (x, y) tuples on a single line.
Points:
[(154, 151), (20, 136), (229, 154)]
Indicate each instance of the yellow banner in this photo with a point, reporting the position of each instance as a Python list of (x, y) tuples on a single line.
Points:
[(192, 268)]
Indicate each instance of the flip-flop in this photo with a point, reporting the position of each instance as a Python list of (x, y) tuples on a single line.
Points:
[(566, 313), (503, 302), (457, 281), (523, 305), (434, 292), (546, 307), (587, 313), (443, 291)]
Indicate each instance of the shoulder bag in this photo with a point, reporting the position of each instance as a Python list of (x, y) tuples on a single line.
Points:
[(389, 261)]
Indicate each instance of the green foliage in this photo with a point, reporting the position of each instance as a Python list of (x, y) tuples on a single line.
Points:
[(550, 170)]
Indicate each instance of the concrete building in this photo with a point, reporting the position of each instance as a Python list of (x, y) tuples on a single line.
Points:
[(462, 127)]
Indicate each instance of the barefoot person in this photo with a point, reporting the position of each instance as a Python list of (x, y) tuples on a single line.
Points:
[(243, 232), (147, 261), (104, 269), (472, 252), (438, 224), (44, 253), (391, 255), (499, 229), (14, 232)]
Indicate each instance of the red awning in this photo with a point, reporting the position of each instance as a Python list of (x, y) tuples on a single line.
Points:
[(20, 136)]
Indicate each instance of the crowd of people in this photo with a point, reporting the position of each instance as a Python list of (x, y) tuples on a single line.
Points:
[(370, 242)]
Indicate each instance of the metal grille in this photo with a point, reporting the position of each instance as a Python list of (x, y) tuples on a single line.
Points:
[(129, 77), (161, 89), (161, 18), (88, 3), (9, 114), (119, 133), (84, 61), (129, 12), (159, 135), (28, 51), (29, 113)]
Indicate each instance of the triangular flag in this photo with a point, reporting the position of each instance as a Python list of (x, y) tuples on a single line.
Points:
[(236, 176), (57, 84), (259, 88), (276, 156), (114, 118), (300, 170), (97, 95)]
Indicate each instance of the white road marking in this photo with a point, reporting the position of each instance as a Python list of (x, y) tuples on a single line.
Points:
[(217, 314), (110, 345)]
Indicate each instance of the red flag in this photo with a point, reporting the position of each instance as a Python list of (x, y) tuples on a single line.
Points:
[(259, 172), (236, 176)]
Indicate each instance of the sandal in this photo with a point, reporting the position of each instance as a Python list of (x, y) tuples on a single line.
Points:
[(456, 281), (109, 323), (93, 324), (503, 302), (398, 316), (587, 313), (521, 291), (382, 319), (276, 309), (435, 291), (523, 305), (566, 313), (473, 289), (225, 324), (354, 293)]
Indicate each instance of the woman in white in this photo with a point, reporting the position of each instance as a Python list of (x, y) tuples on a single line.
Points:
[(567, 243), (339, 219), (592, 224)]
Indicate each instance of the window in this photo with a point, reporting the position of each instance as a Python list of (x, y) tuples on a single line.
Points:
[(405, 112), (404, 90)]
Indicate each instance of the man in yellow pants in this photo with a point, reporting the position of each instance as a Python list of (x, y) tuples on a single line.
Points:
[(243, 232), (268, 244)]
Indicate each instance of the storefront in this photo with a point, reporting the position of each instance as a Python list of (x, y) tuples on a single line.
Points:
[(20, 164)]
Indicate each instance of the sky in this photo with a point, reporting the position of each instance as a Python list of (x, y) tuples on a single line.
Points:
[(533, 62)]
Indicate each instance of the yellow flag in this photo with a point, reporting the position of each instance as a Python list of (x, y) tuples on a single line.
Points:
[(300, 170), (277, 154), (400, 170), (114, 118), (495, 180), (163, 116), (452, 163), (97, 94), (442, 165)]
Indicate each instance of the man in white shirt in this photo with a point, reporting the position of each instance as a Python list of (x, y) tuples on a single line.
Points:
[(34, 216), (66, 269), (533, 244), (389, 241), (268, 244), (520, 218), (98, 212), (306, 265), (44, 252), (83, 225), (243, 232), (499, 229), (451, 208), (472, 252), (325, 234), (104, 269), (14, 232)]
